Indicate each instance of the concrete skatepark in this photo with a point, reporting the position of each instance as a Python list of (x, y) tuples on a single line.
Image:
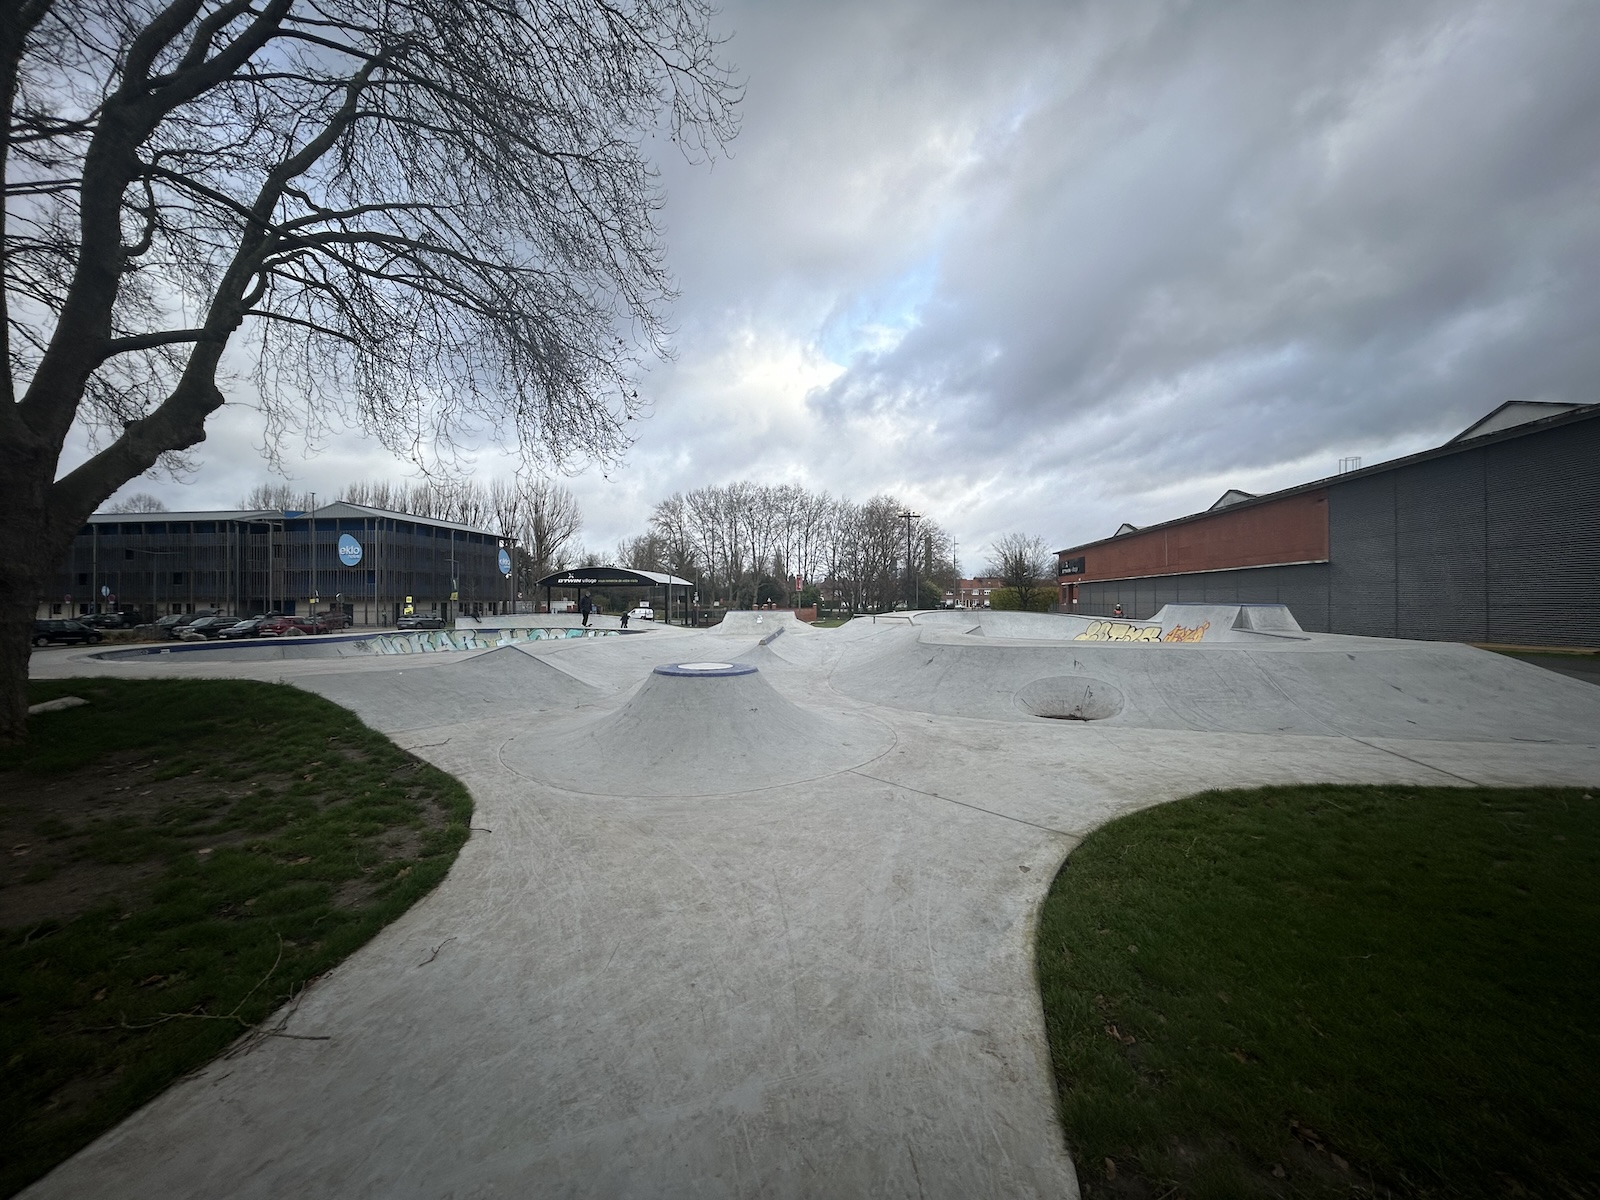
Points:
[(760, 923)]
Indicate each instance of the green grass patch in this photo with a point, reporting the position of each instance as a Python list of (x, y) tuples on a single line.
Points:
[(183, 858), (829, 622), (1331, 991)]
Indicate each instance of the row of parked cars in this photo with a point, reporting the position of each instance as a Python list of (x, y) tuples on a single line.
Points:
[(192, 627), (202, 626)]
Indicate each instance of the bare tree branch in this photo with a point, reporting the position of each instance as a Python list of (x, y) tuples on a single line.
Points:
[(433, 220)]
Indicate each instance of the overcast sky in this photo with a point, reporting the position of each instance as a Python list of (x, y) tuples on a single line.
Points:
[(1049, 266)]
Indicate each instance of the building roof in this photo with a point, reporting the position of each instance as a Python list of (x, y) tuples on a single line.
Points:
[(339, 508), (1511, 414), (609, 577), (1231, 497), (1522, 417)]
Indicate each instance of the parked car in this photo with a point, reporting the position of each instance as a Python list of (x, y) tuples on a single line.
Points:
[(45, 632), (169, 625), (249, 627), (420, 621), (202, 628), (110, 620), (290, 626), (643, 613), (335, 619)]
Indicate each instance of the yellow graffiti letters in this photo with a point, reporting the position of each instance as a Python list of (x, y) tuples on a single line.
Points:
[(1119, 631), (1181, 633)]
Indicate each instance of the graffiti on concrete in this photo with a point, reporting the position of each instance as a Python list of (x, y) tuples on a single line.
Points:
[(1119, 631), (1183, 633), (434, 641)]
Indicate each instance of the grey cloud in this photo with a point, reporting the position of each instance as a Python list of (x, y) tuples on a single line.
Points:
[(1269, 231), (1132, 253)]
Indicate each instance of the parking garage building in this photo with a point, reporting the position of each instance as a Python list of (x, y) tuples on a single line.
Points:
[(372, 564)]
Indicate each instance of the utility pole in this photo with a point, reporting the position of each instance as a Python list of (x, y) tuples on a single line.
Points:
[(911, 578), (311, 528)]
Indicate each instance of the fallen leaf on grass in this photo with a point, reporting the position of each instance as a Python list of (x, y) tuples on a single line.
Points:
[(1127, 1039), (1278, 1172), (1339, 1162), (1307, 1135), (1111, 1169)]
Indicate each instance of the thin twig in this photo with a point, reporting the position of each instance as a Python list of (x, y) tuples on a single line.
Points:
[(436, 950)]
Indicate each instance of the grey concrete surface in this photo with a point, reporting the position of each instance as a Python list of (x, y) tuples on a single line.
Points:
[(771, 939)]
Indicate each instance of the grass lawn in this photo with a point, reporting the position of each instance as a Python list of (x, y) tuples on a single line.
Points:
[(1332, 991), (182, 858), (829, 623)]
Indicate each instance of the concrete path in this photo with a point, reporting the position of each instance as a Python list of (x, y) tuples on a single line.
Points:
[(770, 937)]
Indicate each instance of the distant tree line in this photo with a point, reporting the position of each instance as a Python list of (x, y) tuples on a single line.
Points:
[(745, 544), (542, 518)]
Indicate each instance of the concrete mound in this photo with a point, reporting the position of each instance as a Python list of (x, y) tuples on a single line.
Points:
[(699, 729), (761, 623), (488, 686), (1322, 685)]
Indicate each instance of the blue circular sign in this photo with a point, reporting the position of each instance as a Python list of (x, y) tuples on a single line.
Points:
[(705, 670), (505, 563), (349, 550)]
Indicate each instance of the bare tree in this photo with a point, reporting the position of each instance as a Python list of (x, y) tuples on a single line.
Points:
[(550, 523), (429, 218), (741, 539), (278, 496), (137, 503), (1022, 563)]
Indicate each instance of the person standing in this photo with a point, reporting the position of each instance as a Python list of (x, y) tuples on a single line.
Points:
[(585, 606)]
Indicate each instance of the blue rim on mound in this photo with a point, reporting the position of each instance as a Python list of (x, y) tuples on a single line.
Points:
[(705, 670)]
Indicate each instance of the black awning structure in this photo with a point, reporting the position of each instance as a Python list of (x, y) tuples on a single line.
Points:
[(610, 577)]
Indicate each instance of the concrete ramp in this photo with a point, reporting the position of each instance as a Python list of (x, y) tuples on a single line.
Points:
[(1227, 622), (501, 683), (1175, 623), (700, 728)]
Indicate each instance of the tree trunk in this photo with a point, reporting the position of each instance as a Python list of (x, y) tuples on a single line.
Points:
[(33, 542), (20, 582)]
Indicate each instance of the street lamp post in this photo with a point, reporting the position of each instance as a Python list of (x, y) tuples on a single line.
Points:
[(911, 578)]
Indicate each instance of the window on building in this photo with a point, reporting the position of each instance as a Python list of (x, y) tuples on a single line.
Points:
[(55, 610), (177, 577), (83, 579), (127, 554)]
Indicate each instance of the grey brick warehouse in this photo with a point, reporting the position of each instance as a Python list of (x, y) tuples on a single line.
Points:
[(1492, 537)]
